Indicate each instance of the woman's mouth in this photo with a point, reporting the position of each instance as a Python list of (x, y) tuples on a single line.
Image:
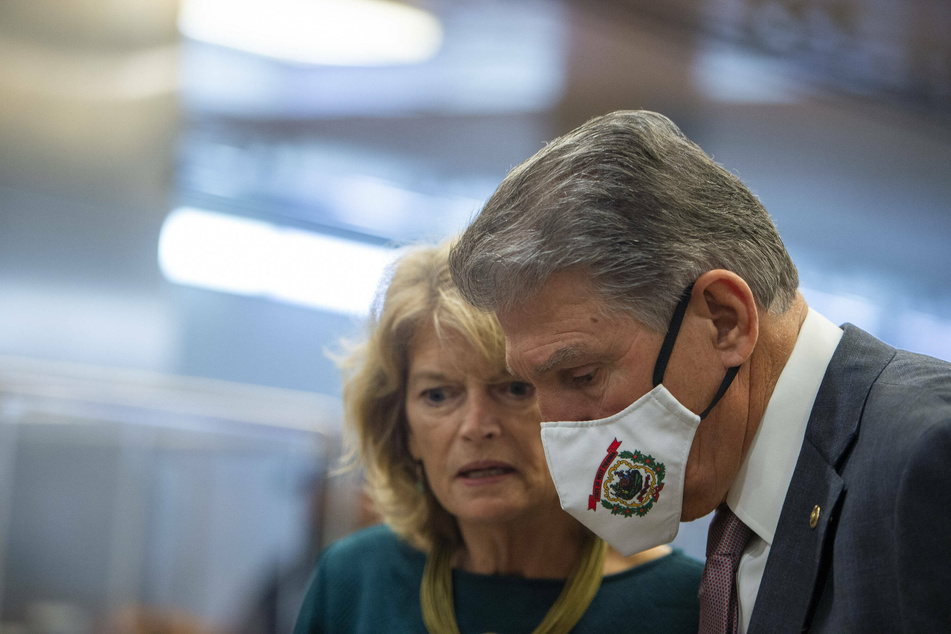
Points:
[(483, 470), (485, 473)]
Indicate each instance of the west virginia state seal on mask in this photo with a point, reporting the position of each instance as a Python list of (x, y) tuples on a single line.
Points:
[(630, 484), (630, 498)]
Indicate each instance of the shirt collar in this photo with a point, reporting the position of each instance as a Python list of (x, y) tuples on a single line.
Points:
[(758, 493)]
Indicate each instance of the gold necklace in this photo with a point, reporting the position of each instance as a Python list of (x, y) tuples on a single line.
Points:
[(439, 614)]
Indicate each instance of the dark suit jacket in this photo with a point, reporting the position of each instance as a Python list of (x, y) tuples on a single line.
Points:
[(876, 460)]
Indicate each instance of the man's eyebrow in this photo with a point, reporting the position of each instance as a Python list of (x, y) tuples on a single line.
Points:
[(560, 357)]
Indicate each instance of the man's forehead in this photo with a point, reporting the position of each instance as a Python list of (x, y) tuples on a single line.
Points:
[(564, 294), (514, 362), (554, 326), (557, 353), (509, 362)]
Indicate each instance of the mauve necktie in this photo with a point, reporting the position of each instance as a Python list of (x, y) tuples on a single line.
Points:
[(725, 543)]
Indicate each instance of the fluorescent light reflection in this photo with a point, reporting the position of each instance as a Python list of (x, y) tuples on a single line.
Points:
[(926, 333), (257, 259), (898, 325), (731, 75), (332, 32), (840, 308)]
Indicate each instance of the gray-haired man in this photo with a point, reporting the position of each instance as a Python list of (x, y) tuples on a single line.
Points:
[(646, 293)]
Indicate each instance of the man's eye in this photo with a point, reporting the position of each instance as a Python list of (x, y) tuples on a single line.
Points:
[(583, 379), (521, 388)]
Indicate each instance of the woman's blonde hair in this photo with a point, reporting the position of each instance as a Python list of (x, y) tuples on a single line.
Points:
[(420, 293)]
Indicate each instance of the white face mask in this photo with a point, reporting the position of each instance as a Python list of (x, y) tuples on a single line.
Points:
[(623, 476)]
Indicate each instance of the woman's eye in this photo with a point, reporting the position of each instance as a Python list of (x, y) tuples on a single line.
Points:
[(435, 395)]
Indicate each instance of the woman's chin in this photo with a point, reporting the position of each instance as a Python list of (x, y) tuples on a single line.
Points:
[(486, 513)]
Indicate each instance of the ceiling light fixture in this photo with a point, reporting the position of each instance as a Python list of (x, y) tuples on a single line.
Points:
[(253, 258), (329, 32)]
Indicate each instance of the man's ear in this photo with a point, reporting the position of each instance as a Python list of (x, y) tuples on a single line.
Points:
[(726, 300)]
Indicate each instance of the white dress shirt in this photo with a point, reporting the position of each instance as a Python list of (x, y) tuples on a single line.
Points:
[(759, 491)]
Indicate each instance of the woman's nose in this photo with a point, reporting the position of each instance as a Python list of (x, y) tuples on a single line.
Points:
[(482, 416)]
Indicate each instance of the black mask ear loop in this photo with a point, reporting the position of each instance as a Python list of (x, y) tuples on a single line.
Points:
[(667, 347)]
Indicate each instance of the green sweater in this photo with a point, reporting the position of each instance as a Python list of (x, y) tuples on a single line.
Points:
[(369, 583)]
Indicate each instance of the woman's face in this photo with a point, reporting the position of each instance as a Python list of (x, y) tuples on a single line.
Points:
[(475, 428)]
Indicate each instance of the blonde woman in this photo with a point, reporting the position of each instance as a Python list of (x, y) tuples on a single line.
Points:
[(473, 538)]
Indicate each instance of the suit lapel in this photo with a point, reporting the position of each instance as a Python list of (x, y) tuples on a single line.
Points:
[(799, 554)]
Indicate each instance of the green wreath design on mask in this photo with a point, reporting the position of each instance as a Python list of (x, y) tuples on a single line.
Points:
[(631, 485)]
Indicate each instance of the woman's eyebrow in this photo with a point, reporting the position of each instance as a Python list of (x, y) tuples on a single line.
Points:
[(426, 375)]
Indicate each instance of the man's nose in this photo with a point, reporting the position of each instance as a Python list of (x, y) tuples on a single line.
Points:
[(556, 405)]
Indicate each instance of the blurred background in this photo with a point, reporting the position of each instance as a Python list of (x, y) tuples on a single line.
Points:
[(198, 197)]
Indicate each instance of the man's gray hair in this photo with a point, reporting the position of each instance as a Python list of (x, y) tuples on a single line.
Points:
[(630, 200)]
